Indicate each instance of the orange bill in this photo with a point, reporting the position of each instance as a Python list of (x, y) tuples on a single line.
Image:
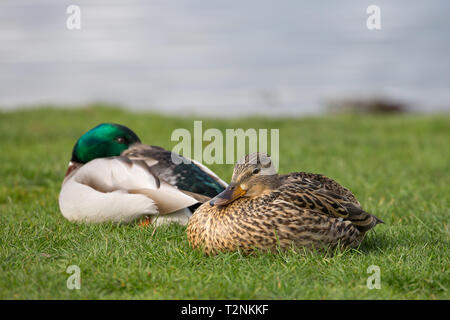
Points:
[(231, 193)]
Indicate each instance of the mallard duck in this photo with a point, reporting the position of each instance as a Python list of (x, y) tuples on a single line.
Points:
[(261, 209), (112, 176)]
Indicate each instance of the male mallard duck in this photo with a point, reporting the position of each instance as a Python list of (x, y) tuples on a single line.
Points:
[(113, 177), (261, 209)]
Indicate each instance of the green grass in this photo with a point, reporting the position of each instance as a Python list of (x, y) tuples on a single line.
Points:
[(398, 167)]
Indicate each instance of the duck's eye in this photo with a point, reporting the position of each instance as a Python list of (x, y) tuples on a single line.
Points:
[(120, 140), (256, 170)]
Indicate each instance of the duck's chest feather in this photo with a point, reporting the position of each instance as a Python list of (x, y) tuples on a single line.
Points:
[(229, 227)]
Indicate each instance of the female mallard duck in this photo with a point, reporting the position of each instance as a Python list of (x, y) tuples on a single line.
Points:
[(113, 177), (261, 209)]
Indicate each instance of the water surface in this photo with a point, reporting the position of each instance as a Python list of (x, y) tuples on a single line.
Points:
[(223, 57)]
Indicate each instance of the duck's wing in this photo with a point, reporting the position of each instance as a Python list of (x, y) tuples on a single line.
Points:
[(323, 182), (177, 170), (120, 181), (328, 197)]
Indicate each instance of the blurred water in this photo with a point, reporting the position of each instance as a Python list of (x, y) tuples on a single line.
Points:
[(223, 57)]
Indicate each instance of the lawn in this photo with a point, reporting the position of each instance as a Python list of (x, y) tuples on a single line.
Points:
[(397, 166)]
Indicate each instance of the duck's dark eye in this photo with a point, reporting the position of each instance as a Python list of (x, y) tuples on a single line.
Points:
[(256, 170), (120, 139)]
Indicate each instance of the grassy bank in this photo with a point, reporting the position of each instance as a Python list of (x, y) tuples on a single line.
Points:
[(397, 166)]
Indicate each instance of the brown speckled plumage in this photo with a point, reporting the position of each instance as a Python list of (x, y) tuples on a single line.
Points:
[(300, 209)]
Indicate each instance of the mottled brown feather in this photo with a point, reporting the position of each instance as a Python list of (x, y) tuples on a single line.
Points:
[(305, 210)]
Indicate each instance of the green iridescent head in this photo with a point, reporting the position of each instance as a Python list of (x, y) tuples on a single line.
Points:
[(105, 140)]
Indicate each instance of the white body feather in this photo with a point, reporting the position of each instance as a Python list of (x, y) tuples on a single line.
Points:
[(99, 191)]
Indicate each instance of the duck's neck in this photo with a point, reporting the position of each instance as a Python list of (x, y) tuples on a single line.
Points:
[(271, 182), (265, 185)]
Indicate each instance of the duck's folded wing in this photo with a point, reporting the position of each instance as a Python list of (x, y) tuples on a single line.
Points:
[(323, 182), (312, 194), (185, 174), (133, 177), (340, 207), (208, 171)]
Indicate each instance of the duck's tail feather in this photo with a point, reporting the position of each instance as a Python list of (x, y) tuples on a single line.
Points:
[(363, 220), (366, 221)]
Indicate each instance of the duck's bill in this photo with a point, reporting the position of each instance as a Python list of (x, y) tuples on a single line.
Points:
[(231, 193)]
